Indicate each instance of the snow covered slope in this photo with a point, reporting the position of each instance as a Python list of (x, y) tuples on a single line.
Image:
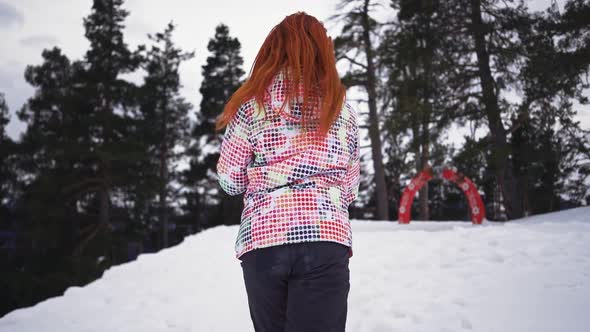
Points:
[(527, 275)]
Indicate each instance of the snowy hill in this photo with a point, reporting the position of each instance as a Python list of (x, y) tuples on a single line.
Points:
[(527, 275)]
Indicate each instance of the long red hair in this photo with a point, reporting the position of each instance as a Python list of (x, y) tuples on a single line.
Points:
[(300, 47)]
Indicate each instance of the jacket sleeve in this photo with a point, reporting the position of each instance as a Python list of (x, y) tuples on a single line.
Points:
[(235, 154), (352, 176)]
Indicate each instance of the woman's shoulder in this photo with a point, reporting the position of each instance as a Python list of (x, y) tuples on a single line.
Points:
[(248, 105), (248, 109), (348, 112)]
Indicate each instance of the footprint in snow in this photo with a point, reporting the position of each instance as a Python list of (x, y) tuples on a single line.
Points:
[(466, 324), (459, 302)]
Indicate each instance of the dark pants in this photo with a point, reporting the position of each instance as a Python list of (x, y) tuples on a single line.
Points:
[(300, 287)]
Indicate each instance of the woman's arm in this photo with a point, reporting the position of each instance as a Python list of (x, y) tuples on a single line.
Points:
[(235, 153), (352, 176)]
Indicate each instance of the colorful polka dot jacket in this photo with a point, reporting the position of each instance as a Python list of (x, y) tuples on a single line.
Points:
[(295, 189)]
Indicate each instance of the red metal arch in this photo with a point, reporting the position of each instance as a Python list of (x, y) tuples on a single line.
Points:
[(476, 208)]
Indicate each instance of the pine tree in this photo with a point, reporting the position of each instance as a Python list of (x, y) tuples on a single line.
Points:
[(4, 117), (484, 53), (112, 108), (541, 57), (415, 67), (418, 53), (425, 84), (53, 146), (547, 143), (53, 203), (165, 116), (6, 151), (495, 53), (81, 138), (221, 77), (357, 45)]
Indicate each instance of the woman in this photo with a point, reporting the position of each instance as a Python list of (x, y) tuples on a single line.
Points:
[(291, 144)]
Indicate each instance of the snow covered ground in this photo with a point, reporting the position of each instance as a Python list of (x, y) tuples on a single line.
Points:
[(527, 275)]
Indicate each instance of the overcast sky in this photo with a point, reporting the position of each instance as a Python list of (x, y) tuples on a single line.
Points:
[(29, 26)]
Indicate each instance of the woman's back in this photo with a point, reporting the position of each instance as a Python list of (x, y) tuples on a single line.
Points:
[(291, 144), (296, 189)]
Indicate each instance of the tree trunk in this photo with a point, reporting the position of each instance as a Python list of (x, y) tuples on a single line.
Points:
[(163, 194), (422, 153), (425, 155), (164, 177), (105, 188), (425, 119), (374, 133), (504, 172)]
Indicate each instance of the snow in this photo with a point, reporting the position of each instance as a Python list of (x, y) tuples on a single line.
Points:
[(531, 274)]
